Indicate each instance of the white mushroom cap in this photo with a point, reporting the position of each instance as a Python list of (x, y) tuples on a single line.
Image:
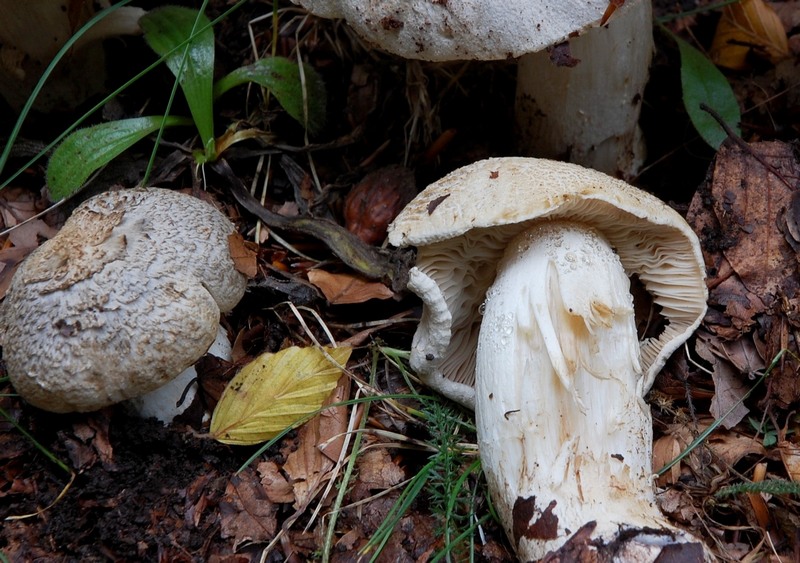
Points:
[(462, 224), (123, 299), (462, 29)]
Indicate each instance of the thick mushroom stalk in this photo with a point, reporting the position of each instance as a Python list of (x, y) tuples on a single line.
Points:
[(175, 397), (564, 435), (553, 366), (586, 109)]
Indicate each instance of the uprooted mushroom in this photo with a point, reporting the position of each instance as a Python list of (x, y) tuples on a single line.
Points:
[(524, 270), (123, 299)]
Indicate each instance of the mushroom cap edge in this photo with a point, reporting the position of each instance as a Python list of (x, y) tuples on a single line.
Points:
[(463, 29), (461, 224)]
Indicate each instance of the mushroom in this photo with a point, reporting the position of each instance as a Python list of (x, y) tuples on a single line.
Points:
[(580, 103), (177, 395), (31, 33), (123, 299), (523, 268)]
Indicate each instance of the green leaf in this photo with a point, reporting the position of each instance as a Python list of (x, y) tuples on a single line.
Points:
[(274, 392), (703, 82), (86, 150), (166, 29), (282, 77)]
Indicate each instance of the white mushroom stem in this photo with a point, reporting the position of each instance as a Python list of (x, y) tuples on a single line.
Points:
[(173, 398), (589, 113), (564, 437)]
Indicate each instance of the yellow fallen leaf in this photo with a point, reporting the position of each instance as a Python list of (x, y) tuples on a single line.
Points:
[(745, 27), (274, 392)]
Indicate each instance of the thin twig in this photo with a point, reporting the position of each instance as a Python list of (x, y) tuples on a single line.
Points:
[(743, 144)]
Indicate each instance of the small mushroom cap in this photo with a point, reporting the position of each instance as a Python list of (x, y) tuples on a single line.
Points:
[(124, 298), (462, 224), (462, 29)]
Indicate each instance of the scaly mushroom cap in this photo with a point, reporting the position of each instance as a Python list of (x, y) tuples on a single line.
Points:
[(462, 224), (462, 29), (123, 299)]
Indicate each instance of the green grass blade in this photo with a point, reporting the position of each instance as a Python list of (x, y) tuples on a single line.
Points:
[(91, 111), (704, 83), (410, 494), (47, 453), (165, 29), (716, 424), (705, 9), (461, 537), (282, 77), (86, 150)]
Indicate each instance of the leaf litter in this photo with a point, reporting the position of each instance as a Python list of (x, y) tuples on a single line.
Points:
[(146, 492), (754, 286)]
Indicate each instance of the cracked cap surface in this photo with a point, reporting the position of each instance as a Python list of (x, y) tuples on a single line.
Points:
[(126, 296)]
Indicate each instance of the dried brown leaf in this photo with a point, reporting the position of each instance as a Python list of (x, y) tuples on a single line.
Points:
[(197, 498), (277, 488), (342, 289), (679, 504), (28, 235), (788, 12), (308, 467), (18, 205), (333, 421), (747, 201), (740, 217), (790, 456), (665, 449), (731, 446), (744, 355), (746, 27), (244, 255), (9, 260), (727, 445), (728, 386), (247, 514), (378, 471)]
